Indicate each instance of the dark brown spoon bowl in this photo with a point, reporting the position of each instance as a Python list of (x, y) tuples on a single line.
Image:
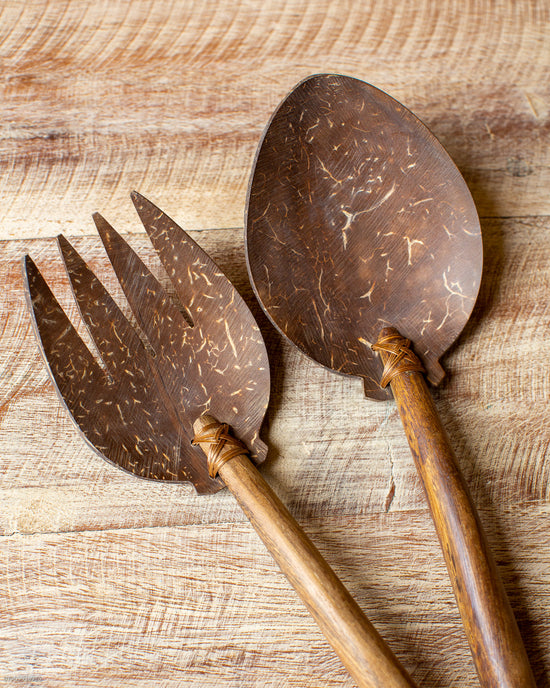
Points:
[(362, 237), (358, 219)]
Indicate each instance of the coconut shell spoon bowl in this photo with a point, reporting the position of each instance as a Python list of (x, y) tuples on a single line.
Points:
[(188, 376), (364, 248)]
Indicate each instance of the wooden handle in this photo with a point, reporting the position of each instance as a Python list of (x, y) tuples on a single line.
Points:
[(363, 652), (495, 642)]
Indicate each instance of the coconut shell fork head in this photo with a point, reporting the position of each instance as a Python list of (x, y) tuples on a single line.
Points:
[(136, 402)]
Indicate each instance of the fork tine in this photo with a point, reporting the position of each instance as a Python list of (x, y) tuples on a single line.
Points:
[(198, 281), (224, 333), (72, 366), (117, 342), (148, 300)]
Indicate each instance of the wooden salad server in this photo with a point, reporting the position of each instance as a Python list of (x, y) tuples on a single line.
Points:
[(361, 238), (150, 401)]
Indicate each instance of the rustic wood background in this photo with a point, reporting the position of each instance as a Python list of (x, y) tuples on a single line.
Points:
[(110, 581)]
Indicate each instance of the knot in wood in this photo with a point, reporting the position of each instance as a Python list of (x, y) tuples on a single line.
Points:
[(220, 447), (396, 354)]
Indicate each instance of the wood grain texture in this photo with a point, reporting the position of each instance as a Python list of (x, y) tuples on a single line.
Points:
[(94, 102), (109, 581), (83, 541)]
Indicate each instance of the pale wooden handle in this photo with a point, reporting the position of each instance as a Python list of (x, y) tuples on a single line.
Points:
[(363, 652), (493, 635)]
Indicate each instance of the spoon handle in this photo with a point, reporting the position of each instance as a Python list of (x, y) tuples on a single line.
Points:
[(363, 652), (495, 642)]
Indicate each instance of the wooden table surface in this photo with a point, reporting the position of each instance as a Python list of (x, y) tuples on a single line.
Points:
[(107, 580)]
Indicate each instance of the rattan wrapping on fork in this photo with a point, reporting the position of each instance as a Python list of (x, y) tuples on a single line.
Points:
[(222, 446)]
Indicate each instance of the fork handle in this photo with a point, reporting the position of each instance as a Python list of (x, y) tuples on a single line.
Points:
[(497, 648), (363, 652)]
